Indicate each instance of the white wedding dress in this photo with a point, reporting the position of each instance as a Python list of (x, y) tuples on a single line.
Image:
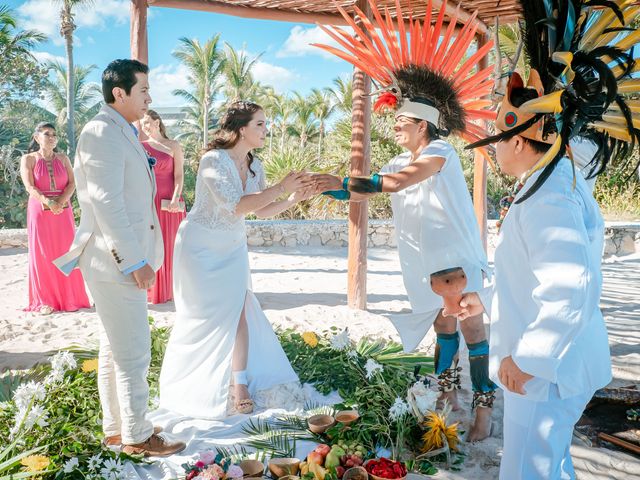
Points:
[(212, 284)]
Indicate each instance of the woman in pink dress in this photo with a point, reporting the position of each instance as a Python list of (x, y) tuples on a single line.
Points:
[(48, 178), (169, 181)]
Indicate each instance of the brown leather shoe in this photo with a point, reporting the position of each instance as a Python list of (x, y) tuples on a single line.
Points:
[(154, 446), (116, 440)]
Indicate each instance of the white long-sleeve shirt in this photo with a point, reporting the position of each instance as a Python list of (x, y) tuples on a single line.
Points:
[(544, 302)]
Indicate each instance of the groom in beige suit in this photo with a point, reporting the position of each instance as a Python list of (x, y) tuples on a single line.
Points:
[(118, 247)]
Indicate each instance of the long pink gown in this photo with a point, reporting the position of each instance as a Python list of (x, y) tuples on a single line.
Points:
[(50, 236), (162, 291)]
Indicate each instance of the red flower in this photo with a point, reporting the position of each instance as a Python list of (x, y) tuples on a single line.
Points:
[(385, 102), (200, 464)]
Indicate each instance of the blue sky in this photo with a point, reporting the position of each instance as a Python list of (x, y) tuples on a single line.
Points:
[(288, 63)]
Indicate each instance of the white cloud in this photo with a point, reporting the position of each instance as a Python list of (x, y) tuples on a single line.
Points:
[(44, 16), (278, 77), (163, 80), (44, 57), (300, 39)]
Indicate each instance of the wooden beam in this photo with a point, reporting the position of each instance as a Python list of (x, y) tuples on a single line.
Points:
[(283, 15), (360, 165), (480, 170), (260, 13), (138, 33)]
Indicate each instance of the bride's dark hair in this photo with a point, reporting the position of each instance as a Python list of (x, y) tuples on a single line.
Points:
[(238, 115)]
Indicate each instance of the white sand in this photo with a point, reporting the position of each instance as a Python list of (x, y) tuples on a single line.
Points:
[(306, 289)]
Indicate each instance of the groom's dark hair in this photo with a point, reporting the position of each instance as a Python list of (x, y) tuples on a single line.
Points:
[(121, 73)]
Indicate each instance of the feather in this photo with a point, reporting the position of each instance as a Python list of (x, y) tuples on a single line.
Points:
[(385, 102)]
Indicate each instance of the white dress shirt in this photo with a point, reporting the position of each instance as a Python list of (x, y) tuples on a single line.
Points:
[(544, 302)]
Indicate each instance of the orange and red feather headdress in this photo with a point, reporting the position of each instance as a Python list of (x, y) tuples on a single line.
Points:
[(425, 63)]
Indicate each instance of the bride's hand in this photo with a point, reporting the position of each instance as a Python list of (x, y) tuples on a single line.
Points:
[(295, 181), (303, 194)]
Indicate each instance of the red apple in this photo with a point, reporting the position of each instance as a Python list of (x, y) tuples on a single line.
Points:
[(323, 449), (315, 457), (339, 471)]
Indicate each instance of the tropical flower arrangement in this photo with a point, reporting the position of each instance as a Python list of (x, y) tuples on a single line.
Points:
[(51, 417), (212, 465), (51, 414)]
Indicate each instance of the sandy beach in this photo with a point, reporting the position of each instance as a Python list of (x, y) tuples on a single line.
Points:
[(306, 289)]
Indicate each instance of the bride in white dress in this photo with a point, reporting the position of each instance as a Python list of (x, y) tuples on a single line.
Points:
[(221, 336)]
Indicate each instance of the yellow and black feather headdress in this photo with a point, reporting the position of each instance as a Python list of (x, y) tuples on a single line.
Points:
[(582, 58)]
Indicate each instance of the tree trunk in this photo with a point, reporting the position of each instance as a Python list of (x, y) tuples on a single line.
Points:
[(320, 140), (66, 29), (205, 118)]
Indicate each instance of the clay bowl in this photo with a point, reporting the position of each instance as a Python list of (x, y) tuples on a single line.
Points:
[(356, 473), (290, 477), (449, 284), (280, 467), (252, 468), (347, 417), (375, 477), (320, 423)]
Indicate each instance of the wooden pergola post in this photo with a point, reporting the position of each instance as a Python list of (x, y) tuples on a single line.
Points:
[(138, 32), (480, 169), (360, 165)]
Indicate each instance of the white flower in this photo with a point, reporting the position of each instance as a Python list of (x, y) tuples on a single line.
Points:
[(352, 354), (372, 367), (94, 462), (63, 361), (423, 397), (36, 415), (70, 465), (111, 469), (56, 376), (25, 392), (399, 409), (340, 341)]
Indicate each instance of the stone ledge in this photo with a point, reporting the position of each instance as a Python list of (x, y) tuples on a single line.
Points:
[(621, 238)]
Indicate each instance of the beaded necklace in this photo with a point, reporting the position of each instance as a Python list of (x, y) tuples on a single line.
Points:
[(507, 201)]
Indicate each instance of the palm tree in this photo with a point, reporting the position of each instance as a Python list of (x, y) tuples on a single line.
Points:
[(87, 96), (342, 94), (282, 110), (305, 123), (267, 97), (20, 73), (324, 107), (239, 81), (67, 27), (12, 41), (205, 64)]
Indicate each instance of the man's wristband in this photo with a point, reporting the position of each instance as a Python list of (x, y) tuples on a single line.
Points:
[(338, 194), (371, 184)]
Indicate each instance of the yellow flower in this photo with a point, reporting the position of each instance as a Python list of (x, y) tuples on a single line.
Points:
[(90, 365), (310, 339), (436, 426), (35, 463)]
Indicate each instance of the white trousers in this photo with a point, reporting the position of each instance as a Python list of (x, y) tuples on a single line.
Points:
[(537, 436), (125, 354)]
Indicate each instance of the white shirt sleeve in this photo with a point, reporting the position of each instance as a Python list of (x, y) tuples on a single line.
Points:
[(557, 247)]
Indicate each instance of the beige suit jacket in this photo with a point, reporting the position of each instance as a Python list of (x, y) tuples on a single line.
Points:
[(119, 225)]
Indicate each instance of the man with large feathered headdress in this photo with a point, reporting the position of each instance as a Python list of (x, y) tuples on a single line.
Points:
[(433, 91), (549, 348)]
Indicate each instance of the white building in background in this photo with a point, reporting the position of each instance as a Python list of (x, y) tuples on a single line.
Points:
[(171, 117)]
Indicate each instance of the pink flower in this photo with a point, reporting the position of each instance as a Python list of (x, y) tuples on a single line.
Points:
[(235, 472), (207, 457), (200, 464), (213, 472)]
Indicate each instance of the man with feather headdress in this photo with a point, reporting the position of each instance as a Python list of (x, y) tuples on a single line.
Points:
[(433, 91), (549, 349)]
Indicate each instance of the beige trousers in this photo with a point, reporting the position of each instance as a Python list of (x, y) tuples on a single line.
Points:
[(125, 353)]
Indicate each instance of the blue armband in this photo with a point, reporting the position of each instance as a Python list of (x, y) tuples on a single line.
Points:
[(338, 194)]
